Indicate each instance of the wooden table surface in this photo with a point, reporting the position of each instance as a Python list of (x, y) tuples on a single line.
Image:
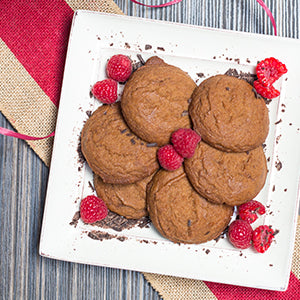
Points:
[(23, 176)]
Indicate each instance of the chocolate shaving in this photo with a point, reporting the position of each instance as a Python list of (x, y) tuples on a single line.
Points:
[(147, 47), (75, 219), (151, 145), (132, 141), (139, 56), (89, 113), (161, 48), (127, 46), (250, 78), (222, 235), (279, 121), (119, 223), (91, 186), (124, 130)]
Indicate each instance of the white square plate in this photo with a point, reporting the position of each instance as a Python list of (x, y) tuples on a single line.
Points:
[(94, 38)]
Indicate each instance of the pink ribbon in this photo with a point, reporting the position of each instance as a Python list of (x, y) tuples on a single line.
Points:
[(160, 5), (8, 132), (260, 2)]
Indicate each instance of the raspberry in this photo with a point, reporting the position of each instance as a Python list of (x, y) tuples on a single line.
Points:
[(168, 158), (106, 91), (262, 238), (269, 70), (268, 92), (248, 211), (240, 234), (119, 68), (92, 209), (185, 141)]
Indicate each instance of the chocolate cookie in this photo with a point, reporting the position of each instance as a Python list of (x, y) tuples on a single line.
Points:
[(127, 200), (222, 177), (112, 151), (179, 213), (155, 101), (228, 115)]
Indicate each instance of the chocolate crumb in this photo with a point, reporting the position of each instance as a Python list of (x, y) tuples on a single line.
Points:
[(278, 165), (111, 44), (278, 138), (214, 57), (129, 134), (241, 253), (273, 189), (91, 94), (264, 145), (88, 113), (151, 145), (139, 56), (184, 113), (270, 265), (247, 152), (91, 186), (285, 190), (290, 124), (200, 75), (161, 48), (147, 47), (207, 251), (207, 233), (127, 45), (248, 60), (189, 223), (268, 159), (132, 141), (237, 60), (227, 88), (276, 232), (279, 121), (267, 101)]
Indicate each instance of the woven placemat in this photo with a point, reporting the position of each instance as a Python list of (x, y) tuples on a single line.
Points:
[(31, 107)]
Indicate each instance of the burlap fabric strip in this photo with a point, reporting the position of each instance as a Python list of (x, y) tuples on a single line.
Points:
[(31, 112)]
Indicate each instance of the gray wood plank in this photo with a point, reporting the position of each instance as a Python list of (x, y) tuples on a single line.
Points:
[(23, 177)]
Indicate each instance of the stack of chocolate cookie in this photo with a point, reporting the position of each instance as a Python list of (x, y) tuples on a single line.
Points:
[(193, 204)]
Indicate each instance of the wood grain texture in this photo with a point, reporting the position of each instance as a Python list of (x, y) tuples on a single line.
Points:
[(23, 176)]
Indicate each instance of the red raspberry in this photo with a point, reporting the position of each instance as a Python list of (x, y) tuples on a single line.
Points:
[(92, 209), (248, 211), (106, 91), (262, 238), (240, 234), (268, 92), (185, 141), (119, 68), (168, 158), (269, 70)]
